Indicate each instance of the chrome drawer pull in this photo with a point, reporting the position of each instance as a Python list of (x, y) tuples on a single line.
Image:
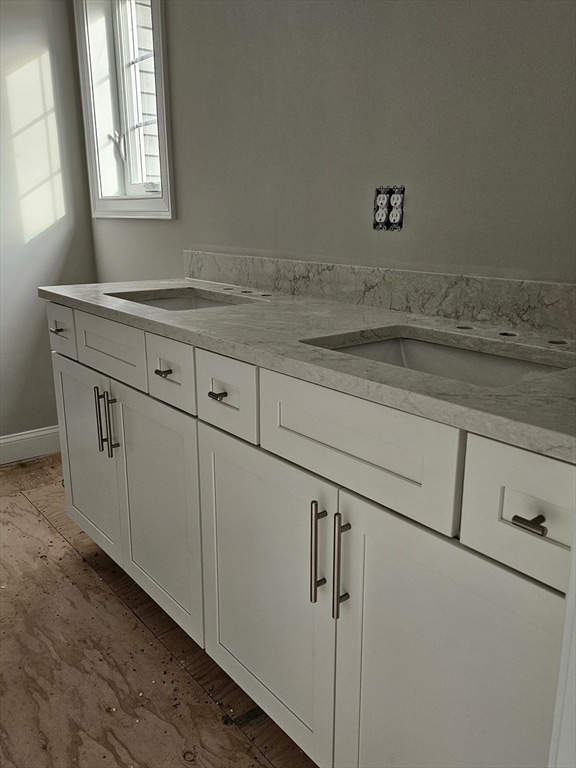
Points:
[(315, 582), (337, 598), (534, 525), (56, 330), (108, 419), (163, 373), (217, 396), (101, 438)]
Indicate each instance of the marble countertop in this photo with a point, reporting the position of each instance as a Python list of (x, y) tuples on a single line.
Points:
[(538, 414)]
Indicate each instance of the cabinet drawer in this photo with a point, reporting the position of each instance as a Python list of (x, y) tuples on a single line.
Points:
[(171, 372), (228, 394), (62, 332), (113, 348), (404, 462), (502, 482)]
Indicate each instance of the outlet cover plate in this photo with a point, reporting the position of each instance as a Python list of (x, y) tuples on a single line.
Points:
[(387, 225)]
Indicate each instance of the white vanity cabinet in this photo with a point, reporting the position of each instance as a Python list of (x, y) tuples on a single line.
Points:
[(261, 626), (130, 470), (438, 657), (374, 638), (444, 658)]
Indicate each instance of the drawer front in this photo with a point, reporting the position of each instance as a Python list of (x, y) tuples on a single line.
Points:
[(171, 372), (404, 462), (502, 482), (113, 348), (62, 331), (236, 411)]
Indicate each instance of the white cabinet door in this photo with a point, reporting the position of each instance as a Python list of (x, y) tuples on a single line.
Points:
[(160, 505), (444, 658), (261, 626), (90, 473)]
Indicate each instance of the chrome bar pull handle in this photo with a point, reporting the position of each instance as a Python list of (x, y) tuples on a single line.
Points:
[(217, 396), (57, 331), (163, 373), (315, 582), (337, 598), (101, 438), (534, 525), (108, 418)]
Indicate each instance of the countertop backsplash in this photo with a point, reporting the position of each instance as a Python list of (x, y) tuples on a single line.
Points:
[(523, 304)]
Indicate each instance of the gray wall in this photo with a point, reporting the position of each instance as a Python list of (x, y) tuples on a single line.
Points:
[(287, 115), (45, 221)]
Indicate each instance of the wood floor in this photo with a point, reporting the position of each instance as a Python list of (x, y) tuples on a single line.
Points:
[(93, 673)]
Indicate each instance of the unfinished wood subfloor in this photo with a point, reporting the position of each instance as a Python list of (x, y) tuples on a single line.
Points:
[(93, 673)]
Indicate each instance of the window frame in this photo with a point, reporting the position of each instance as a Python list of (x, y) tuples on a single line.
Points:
[(146, 205)]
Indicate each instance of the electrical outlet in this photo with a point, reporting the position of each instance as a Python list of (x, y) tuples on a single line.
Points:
[(388, 209)]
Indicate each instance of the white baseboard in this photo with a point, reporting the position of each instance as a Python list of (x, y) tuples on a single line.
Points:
[(28, 445)]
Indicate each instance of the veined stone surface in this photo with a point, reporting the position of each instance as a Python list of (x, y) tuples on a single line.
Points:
[(543, 306), (275, 330)]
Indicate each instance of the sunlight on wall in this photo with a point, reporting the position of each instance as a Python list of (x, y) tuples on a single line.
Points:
[(34, 130)]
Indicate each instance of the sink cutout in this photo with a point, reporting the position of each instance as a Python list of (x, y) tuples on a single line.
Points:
[(430, 355), (177, 299)]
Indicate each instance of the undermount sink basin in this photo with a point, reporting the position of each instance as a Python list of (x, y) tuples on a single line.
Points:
[(452, 362), (177, 299), (181, 302)]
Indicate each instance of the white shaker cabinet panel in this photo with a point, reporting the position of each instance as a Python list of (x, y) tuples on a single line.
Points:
[(116, 349), (171, 374), (228, 394), (444, 658), (160, 506), (261, 626), (404, 462), (88, 432), (519, 508)]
